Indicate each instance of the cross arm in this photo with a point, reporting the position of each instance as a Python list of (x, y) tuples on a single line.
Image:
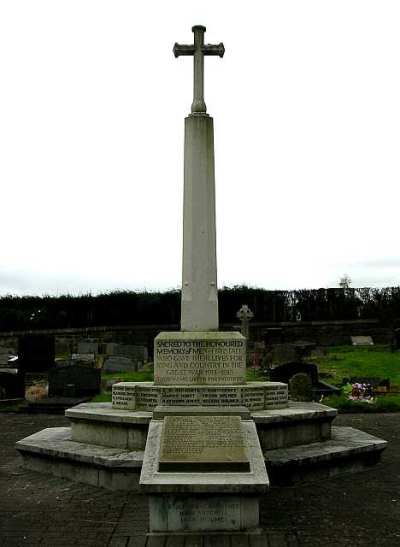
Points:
[(209, 49), (181, 49)]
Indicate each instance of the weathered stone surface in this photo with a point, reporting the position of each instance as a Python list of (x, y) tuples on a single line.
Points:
[(103, 412), (161, 412), (153, 481), (202, 443), (147, 395), (191, 358), (196, 513), (349, 450), (300, 423), (199, 301), (119, 364), (56, 443), (52, 451)]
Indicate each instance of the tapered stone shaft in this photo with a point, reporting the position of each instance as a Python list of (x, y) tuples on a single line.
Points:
[(199, 306)]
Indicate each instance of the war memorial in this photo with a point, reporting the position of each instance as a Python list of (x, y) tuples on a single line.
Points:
[(200, 442)]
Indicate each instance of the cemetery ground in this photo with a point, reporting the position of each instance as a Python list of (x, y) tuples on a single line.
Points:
[(361, 509), (340, 362)]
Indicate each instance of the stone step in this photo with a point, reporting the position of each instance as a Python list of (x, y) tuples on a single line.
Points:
[(299, 423), (53, 452), (348, 450)]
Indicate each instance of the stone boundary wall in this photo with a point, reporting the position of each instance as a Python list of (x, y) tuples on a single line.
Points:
[(324, 333)]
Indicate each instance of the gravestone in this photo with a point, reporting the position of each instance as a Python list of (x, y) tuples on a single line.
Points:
[(12, 385), (132, 357), (74, 381), (88, 359), (300, 387), (245, 315), (36, 352), (88, 346), (119, 364), (285, 372), (362, 341)]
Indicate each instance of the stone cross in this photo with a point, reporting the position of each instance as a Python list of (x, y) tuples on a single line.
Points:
[(198, 49), (245, 314)]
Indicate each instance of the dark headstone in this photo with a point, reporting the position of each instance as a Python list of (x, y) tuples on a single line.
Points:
[(300, 387), (74, 381), (396, 340), (285, 372), (12, 385), (36, 352)]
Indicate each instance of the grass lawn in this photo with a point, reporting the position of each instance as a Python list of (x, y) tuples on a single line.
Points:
[(347, 361), (373, 362)]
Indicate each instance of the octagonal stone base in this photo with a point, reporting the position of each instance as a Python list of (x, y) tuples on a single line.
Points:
[(147, 395)]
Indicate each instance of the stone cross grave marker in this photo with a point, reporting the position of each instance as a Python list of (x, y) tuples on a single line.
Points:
[(245, 314)]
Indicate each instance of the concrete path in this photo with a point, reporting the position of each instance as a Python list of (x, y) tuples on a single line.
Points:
[(353, 510)]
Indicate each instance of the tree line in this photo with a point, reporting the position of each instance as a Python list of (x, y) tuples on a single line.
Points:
[(145, 308)]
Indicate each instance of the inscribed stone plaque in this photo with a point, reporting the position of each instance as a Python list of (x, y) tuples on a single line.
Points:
[(202, 443), (199, 358)]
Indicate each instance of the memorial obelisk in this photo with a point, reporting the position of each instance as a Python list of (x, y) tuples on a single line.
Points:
[(199, 354), (199, 365), (199, 307)]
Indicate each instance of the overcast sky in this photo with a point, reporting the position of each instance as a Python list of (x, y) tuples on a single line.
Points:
[(306, 107)]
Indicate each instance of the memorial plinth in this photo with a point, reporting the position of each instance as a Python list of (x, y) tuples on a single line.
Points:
[(202, 443), (199, 369), (203, 500), (199, 358)]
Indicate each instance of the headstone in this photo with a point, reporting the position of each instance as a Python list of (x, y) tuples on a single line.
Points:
[(74, 381), (300, 387), (88, 346), (395, 342), (88, 359), (134, 352), (12, 385), (36, 352), (362, 341), (119, 364), (137, 354)]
